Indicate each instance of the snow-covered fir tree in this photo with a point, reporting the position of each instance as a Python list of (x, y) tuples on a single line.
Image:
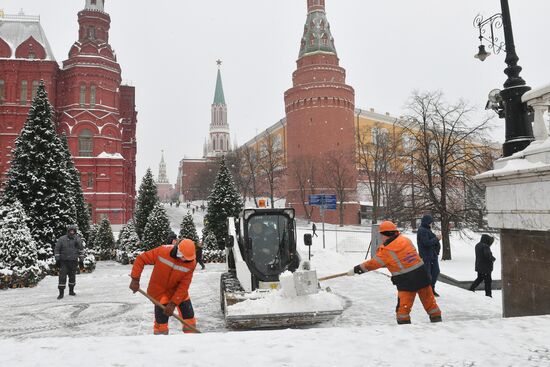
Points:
[(94, 228), (157, 229), (81, 208), (18, 252), (38, 177), (147, 198), (188, 229), (224, 201), (210, 249), (129, 245), (104, 243)]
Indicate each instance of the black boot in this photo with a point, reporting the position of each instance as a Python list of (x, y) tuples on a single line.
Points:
[(71, 291), (435, 319), (61, 292)]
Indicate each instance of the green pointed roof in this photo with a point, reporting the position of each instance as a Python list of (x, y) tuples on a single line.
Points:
[(317, 36), (219, 98)]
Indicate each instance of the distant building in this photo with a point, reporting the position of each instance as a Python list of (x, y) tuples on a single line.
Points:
[(196, 174), (164, 187), (92, 107)]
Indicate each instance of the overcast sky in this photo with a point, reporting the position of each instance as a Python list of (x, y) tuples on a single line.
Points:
[(168, 51)]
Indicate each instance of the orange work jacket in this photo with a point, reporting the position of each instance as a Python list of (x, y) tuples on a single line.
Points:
[(399, 257), (171, 276)]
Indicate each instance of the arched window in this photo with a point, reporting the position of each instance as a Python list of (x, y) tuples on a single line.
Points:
[(214, 143), (34, 88), (85, 144), (92, 95), (82, 94), (23, 99), (91, 33)]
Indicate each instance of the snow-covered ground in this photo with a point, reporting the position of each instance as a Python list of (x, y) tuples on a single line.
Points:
[(107, 325)]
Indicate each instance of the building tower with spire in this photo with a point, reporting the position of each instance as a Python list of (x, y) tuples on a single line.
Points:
[(218, 142), (162, 178), (97, 112), (320, 118), (164, 188)]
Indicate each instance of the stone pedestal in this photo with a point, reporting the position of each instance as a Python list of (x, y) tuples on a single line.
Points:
[(518, 202)]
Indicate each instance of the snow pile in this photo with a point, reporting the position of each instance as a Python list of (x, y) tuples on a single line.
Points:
[(328, 262), (276, 302)]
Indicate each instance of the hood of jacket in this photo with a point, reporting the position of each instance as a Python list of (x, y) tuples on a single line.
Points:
[(71, 227), (485, 238), (426, 220)]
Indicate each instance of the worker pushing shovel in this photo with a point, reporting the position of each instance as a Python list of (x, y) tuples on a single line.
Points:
[(168, 288), (399, 256)]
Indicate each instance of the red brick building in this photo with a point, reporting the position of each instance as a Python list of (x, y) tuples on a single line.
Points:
[(92, 107)]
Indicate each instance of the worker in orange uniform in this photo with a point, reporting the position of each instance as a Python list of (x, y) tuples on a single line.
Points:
[(169, 283), (399, 256)]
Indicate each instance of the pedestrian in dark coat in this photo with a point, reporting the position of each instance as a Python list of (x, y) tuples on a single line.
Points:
[(314, 229), (198, 251), (69, 253), (429, 248), (484, 264)]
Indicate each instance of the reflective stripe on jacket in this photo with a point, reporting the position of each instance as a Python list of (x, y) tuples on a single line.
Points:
[(171, 276), (401, 259)]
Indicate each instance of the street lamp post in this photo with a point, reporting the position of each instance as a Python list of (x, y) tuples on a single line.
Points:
[(519, 132)]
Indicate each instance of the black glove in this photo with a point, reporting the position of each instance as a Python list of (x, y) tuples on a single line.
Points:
[(357, 269), (58, 263), (81, 263)]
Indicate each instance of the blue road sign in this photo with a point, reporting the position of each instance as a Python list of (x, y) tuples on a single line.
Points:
[(327, 202)]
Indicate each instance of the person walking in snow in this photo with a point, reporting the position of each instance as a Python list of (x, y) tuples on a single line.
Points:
[(484, 264), (199, 255), (429, 248), (313, 229), (409, 275), (172, 274), (69, 253)]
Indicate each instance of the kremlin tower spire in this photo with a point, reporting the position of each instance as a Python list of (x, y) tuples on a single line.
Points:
[(320, 113), (219, 140), (162, 177)]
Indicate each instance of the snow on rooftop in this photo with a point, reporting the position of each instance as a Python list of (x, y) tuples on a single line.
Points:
[(15, 29), (110, 155)]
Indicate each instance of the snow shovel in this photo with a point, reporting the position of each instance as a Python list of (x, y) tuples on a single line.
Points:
[(157, 303), (333, 276)]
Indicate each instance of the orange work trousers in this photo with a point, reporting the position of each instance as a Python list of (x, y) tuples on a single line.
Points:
[(405, 300)]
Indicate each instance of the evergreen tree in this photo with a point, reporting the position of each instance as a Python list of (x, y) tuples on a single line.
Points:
[(210, 250), (224, 201), (147, 198), (81, 208), (18, 252), (94, 228), (38, 177), (188, 229), (157, 229), (104, 243), (129, 245)]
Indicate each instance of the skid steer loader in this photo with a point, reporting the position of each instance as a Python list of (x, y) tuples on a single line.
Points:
[(266, 285)]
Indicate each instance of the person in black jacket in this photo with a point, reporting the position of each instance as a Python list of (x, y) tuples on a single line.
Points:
[(69, 252), (429, 248), (484, 264), (198, 254)]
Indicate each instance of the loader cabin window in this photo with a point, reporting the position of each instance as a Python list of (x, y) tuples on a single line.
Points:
[(269, 238)]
